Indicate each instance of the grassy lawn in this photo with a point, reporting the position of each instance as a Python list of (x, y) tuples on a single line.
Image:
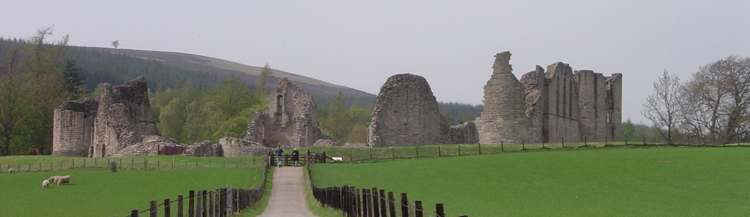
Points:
[(98, 192), (573, 182)]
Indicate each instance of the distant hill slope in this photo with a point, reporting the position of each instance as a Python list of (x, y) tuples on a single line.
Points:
[(203, 67)]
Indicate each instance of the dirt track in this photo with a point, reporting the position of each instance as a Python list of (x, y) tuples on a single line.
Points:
[(288, 194)]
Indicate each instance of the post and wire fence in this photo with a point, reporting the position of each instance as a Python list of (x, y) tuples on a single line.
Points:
[(204, 203), (356, 202)]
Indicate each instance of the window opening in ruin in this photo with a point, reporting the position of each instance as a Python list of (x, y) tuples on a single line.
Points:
[(609, 115), (279, 107)]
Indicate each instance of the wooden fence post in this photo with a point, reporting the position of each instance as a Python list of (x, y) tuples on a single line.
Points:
[(584, 141), (180, 206), (417, 147), (459, 149), (153, 209), (391, 204), (404, 205), (439, 210), (360, 203), (366, 202), (375, 202), (134, 213), (167, 208), (439, 152), (191, 205), (644, 139), (204, 203), (383, 208), (480, 147), (563, 141), (211, 203), (199, 204), (502, 149), (418, 211)]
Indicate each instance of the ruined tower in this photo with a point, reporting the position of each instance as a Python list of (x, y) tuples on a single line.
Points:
[(504, 117), (123, 117), (289, 120), (73, 128), (405, 114)]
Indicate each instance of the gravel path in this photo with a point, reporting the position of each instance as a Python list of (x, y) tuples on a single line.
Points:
[(288, 194)]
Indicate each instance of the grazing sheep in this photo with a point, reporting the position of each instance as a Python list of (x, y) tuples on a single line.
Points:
[(53, 179), (10, 170), (45, 183), (63, 180)]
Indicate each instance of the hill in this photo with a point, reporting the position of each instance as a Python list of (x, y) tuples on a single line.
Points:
[(171, 69)]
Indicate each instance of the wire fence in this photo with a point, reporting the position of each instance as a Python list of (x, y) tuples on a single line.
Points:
[(368, 202), (215, 203)]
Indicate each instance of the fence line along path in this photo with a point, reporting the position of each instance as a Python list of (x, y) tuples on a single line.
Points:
[(288, 194)]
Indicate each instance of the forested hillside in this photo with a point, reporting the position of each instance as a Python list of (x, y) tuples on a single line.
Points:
[(193, 98)]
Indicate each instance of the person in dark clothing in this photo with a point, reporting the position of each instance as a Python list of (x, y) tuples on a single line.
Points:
[(278, 151), (295, 156)]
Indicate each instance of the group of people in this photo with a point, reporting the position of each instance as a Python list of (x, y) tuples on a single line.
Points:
[(279, 152)]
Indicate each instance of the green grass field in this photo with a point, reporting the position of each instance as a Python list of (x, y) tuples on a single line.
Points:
[(574, 182), (98, 192)]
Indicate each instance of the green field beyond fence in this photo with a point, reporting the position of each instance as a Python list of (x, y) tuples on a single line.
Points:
[(668, 181), (99, 192)]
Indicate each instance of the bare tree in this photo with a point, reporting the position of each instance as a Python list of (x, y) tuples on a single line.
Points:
[(662, 106), (715, 103), (115, 43)]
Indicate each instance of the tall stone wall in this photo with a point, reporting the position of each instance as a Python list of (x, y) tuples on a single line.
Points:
[(405, 114), (504, 118), (123, 119), (561, 116), (290, 119), (550, 107), (614, 100), (73, 128)]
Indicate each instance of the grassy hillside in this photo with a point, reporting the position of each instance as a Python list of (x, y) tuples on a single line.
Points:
[(582, 182)]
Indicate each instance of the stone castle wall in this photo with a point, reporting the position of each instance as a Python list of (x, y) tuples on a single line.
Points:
[(504, 118), (555, 106), (73, 128), (406, 113), (124, 117), (290, 119)]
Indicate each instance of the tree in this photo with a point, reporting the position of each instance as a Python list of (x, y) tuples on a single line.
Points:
[(265, 75), (716, 100), (115, 43), (30, 88), (662, 106), (72, 81)]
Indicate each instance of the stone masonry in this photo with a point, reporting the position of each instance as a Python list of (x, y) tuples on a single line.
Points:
[(117, 123), (550, 107), (406, 114), (290, 119), (73, 128)]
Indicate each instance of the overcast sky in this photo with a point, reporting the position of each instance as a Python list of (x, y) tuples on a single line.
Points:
[(360, 44)]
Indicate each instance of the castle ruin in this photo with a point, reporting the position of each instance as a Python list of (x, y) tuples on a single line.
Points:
[(290, 119), (406, 113), (556, 106), (117, 123)]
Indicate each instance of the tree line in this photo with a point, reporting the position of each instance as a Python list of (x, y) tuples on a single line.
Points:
[(712, 107), (37, 75)]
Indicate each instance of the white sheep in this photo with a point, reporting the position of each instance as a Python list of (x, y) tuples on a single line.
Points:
[(63, 180), (53, 179), (10, 170), (45, 183)]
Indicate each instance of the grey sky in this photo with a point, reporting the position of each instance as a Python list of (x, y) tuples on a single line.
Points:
[(360, 44)]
